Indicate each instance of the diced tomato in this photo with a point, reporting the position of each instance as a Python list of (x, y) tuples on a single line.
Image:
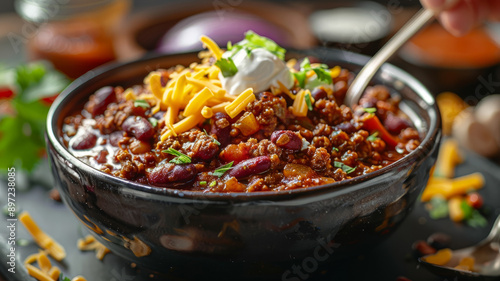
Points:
[(474, 200), (49, 100), (6, 93), (372, 124)]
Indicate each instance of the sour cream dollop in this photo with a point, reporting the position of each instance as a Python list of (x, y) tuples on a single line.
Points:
[(260, 70)]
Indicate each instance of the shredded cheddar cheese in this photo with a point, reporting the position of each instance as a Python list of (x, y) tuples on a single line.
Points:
[(45, 271), (43, 240), (212, 46), (89, 243), (299, 107), (239, 104)]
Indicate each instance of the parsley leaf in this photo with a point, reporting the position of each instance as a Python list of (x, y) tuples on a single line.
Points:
[(373, 137), (180, 159), (322, 72), (142, 103), (438, 207), (370, 109), (212, 183), (227, 67), (344, 167), (256, 41), (213, 139), (63, 278), (308, 101), (153, 121), (222, 169), (22, 141)]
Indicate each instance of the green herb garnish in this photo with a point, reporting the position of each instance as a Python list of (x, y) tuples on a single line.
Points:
[(22, 142), (203, 183), (153, 121), (476, 219), (141, 103), (370, 109), (256, 41), (213, 139), (373, 137), (322, 72), (227, 67), (438, 207), (180, 159), (344, 167), (63, 278), (308, 101), (212, 183), (335, 149), (222, 169)]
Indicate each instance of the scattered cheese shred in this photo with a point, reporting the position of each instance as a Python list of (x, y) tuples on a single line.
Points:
[(89, 243), (183, 125), (37, 273), (285, 90), (207, 112), (212, 46), (41, 238), (45, 271), (239, 104), (335, 71)]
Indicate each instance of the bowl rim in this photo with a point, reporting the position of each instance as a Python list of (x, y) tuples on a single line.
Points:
[(427, 145)]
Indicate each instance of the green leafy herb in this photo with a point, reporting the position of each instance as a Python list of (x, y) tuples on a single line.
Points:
[(22, 142), (180, 159), (370, 109), (255, 41), (322, 72), (373, 137), (213, 139), (142, 103), (153, 121), (344, 167), (227, 67), (203, 183), (476, 219), (335, 149), (222, 169), (213, 183), (308, 101), (63, 278), (438, 207)]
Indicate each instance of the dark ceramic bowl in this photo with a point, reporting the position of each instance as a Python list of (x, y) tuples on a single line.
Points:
[(263, 233)]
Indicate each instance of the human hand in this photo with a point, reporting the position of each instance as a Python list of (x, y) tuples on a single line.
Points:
[(459, 16)]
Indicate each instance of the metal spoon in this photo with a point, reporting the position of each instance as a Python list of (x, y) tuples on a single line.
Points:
[(355, 91), (486, 255)]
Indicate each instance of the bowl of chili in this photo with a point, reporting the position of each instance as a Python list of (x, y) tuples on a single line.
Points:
[(153, 220)]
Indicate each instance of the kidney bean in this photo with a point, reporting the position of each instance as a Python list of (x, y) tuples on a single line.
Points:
[(395, 124), (439, 240), (286, 139), (169, 174), (250, 167), (422, 248), (319, 93), (139, 127), (100, 100), (84, 139), (221, 128), (204, 149)]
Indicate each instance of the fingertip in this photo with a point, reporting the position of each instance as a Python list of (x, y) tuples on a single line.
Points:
[(458, 20), (433, 4)]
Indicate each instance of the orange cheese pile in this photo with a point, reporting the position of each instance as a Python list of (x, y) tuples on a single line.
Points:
[(43, 240)]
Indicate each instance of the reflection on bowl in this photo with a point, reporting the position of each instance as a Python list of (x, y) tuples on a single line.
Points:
[(249, 234)]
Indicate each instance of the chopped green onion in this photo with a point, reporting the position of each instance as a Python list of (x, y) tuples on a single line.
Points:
[(373, 137), (476, 219), (203, 183), (222, 169), (438, 207), (213, 139), (213, 183), (322, 72), (335, 149), (308, 102), (370, 109), (344, 167), (256, 41), (141, 103), (153, 121), (227, 67), (180, 159)]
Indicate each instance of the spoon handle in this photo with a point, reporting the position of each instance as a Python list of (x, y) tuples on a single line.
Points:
[(359, 84), (494, 235)]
